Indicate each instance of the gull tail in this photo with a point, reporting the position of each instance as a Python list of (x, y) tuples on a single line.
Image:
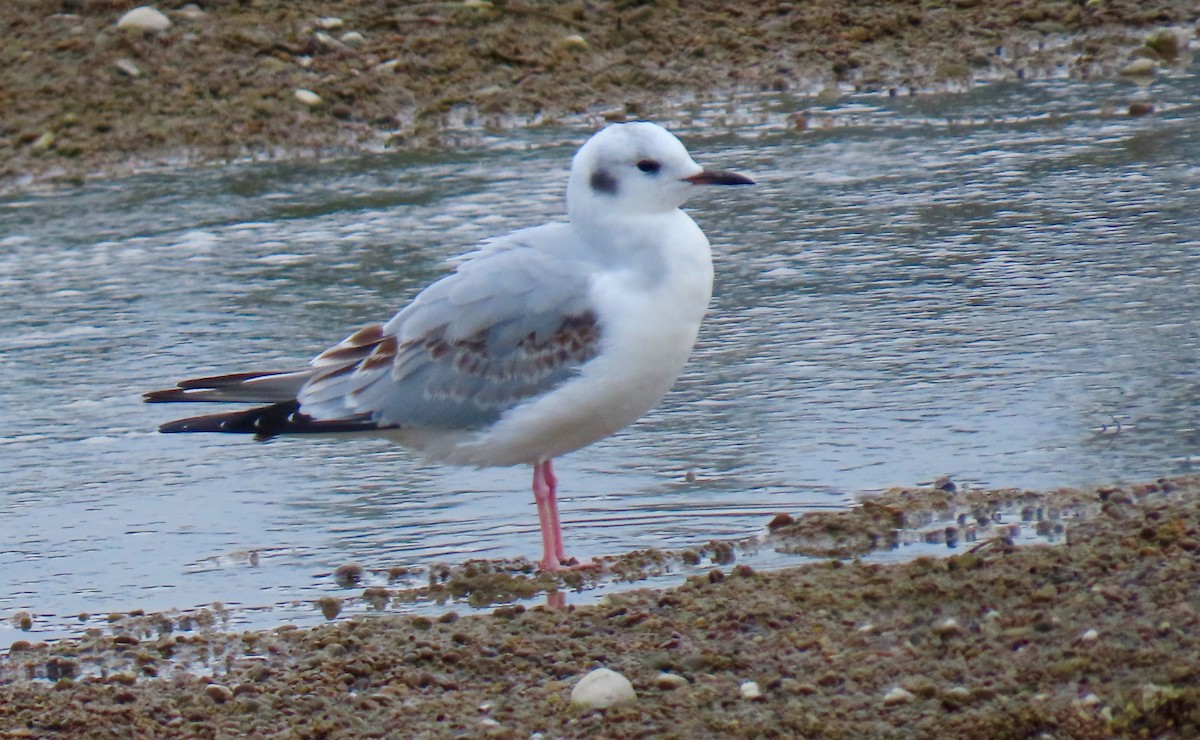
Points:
[(280, 414)]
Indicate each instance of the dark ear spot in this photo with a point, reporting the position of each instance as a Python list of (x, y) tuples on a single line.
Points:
[(602, 182)]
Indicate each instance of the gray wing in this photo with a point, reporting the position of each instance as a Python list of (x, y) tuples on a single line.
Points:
[(510, 323)]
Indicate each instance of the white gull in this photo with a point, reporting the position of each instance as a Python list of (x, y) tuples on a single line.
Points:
[(538, 344)]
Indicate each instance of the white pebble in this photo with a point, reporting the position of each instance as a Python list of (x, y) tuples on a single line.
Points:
[(145, 18), (750, 691), (328, 41), (573, 42), (1090, 635), (897, 696), (330, 23), (353, 38), (128, 67), (602, 688), (309, 98)]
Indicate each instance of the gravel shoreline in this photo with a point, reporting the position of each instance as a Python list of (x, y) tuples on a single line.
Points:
[(1094, 637), (304, 78)]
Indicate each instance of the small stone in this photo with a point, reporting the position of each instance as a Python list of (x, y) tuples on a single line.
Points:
[(956, 696), (331, 606), (602, 688), (1166, 44), (779, 521), (190, 12), (1140, 108), (128, 68), (948, 628), (353, 39), (573, 43), (24, 620), (312, 100), (1090, 635), (897, 696), (750, 691), (351, 573), (328, 41), (44, 142), (670, 681), (1140, 68), (146, 18), (330, 23), (218, 693)]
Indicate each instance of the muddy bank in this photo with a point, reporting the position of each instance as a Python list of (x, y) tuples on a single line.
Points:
[(284, 78), (1094, 637)]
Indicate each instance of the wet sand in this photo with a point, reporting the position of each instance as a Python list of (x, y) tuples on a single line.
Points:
[(1093, 637)]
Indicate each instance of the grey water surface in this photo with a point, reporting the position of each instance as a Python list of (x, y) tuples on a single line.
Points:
[(1001, 285)]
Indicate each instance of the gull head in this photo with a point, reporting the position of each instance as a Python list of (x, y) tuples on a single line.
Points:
[(636, 168)]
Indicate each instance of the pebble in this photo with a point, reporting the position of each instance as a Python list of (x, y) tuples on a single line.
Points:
[(750, 691), (353, 39), (330, 606), (191, 12), (1090, 635), (573, 42), (897, 696), (1140, 68), (218, 693), (602, 688), (43, 142), (145, 18), (330, 23), (948, 628), (670, 681), (328, 41), (128, 67), (309, 97)]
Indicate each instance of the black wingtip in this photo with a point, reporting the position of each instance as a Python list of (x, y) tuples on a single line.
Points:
[(265, 422), (169, 395)]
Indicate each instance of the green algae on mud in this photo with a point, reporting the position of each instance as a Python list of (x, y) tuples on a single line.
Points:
[(1093, 637), (82, 97)]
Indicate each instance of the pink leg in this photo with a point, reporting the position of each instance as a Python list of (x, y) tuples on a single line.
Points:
[(545, 489), (543, 495), (552, 481)]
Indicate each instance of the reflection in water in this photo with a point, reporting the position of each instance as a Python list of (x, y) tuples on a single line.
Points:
[(981, 285)]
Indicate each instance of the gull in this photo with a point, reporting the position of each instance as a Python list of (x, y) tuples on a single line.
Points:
[(537, 344)]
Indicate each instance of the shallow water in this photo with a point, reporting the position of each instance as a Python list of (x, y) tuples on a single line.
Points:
[(1001, 286)]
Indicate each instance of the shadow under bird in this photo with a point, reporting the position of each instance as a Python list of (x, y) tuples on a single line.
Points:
[(538, 343)]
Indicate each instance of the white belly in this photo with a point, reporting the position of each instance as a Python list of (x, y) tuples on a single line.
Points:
[(648, 329)]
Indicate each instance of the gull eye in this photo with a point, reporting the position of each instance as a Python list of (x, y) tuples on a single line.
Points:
[(649, 166)]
